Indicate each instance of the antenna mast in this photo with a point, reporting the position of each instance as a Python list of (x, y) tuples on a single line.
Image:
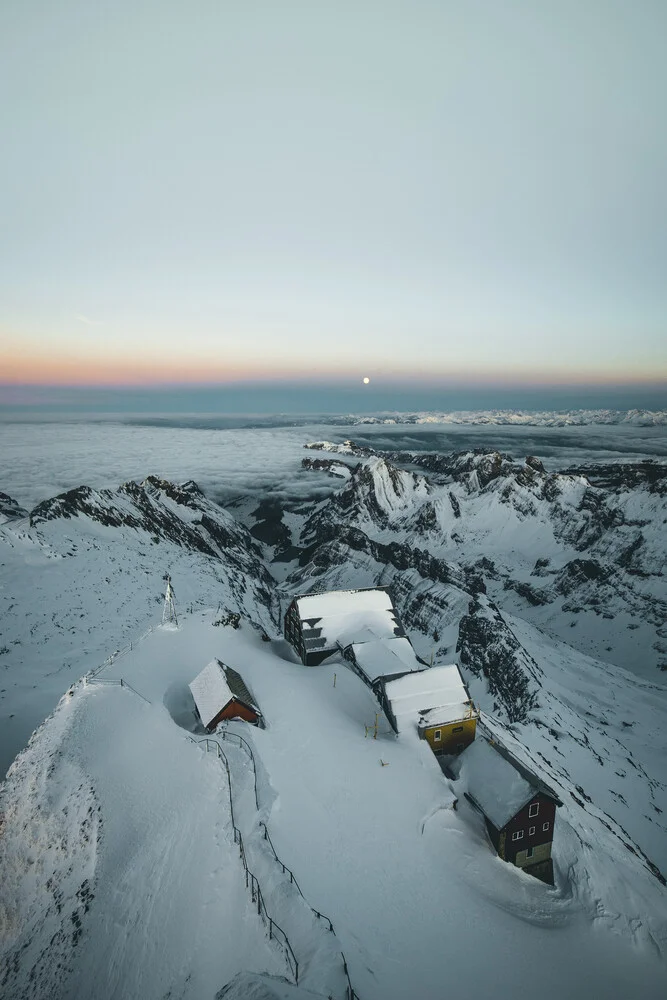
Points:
[(169, 609)]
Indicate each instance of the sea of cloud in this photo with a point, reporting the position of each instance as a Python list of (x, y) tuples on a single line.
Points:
[(39, 459)]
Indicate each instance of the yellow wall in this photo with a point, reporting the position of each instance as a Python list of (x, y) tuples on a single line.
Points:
[(449, 740), (541, 853)]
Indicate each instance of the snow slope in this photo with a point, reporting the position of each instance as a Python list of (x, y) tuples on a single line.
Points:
[(413, 888), (119, 872)]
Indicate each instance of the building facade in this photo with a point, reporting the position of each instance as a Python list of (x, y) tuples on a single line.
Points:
[(317, 625), (518, 807)]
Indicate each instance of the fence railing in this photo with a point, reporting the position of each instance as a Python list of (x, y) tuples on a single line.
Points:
[(288, 871), (350, 994), (120, 682), (120, 652), (252, 883), (226, 734)]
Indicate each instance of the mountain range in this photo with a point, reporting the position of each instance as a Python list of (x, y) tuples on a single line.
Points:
[(547, 588)]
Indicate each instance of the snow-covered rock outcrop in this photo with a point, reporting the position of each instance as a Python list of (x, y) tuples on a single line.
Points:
[(10, 510)]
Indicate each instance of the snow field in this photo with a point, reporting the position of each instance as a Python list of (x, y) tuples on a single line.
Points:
[(166, 907), (412, 887)]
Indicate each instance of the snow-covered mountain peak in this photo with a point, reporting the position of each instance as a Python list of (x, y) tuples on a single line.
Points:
[(10, 509)]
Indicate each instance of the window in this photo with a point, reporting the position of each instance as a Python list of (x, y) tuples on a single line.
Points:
[(529, 852), (534, 809), (457, 729), (437, 735), (517, 835), (545, 827), (531, 831)]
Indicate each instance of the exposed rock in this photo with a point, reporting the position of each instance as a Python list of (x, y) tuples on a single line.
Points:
[(10, 509), (488, 647)]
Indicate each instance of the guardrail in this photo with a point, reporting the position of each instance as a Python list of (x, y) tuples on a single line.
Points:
[(226, 734), (120, 681), (120, 652), (275, 930), (244, 745), (288, 871)]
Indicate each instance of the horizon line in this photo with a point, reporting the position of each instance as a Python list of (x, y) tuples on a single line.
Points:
[(386, 380)]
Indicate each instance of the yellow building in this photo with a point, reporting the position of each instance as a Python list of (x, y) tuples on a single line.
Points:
[(450, 737), (435, 701)]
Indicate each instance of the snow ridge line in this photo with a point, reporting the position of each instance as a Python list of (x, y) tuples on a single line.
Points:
[(256, 894)]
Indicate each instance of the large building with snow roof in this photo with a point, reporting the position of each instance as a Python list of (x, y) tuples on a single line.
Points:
[(436, 702), (519, 808), (317, 625)]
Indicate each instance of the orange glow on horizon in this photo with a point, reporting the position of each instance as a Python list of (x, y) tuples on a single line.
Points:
[(25, 369)]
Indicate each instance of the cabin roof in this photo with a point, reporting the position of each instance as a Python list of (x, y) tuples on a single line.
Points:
[(238, 687), (497, 782), (342, 617), (337, 602), (428, 697), (383, 657), (215, 687)]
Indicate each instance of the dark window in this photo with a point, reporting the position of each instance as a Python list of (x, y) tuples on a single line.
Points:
[(534, 809), (531, 831), (457, 729), (517, 835), (529, 852), (545, 827), (437, 735)]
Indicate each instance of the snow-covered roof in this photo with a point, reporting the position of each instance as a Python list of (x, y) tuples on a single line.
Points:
[(497, 785), (431, 697), (210, 691), (383, 657), (341, 602), (342, 617)]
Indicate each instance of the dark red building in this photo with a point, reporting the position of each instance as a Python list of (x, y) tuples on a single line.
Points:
[(519, 808)]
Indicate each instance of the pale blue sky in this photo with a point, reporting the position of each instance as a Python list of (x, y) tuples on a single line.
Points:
[(255, 188)]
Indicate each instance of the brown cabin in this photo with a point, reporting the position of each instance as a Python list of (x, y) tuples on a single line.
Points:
[(220, 693)]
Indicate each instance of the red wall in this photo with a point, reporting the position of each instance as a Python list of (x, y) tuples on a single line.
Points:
[(547, 813), (234, 710)]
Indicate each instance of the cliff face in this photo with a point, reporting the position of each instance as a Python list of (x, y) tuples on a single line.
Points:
[(488, 648)]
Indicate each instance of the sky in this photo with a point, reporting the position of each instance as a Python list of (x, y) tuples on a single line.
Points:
[(310, 192)]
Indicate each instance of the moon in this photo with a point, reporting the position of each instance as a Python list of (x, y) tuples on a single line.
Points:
[(366, 380)]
